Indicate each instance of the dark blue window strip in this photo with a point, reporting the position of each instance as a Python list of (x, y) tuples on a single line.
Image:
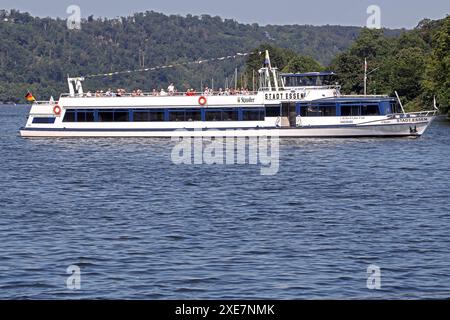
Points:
[(160, 115), (44, 120)]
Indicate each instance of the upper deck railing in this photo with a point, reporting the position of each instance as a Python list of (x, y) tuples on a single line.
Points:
[(191, 94), (45, 102), (375, 96), (418, 114), (305, 88), (159, 94)]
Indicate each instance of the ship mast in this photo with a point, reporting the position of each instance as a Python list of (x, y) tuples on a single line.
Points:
[(267, 72)]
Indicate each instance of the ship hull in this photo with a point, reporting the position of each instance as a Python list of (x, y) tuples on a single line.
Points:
[(376, 130)]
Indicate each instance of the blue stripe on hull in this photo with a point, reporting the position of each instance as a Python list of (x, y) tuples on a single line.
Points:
[(219, 129)]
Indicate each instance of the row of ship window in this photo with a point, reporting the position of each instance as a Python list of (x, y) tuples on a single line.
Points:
[(224, 114), (158, 115)]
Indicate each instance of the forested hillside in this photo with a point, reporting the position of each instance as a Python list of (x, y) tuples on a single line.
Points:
[(37, 53)]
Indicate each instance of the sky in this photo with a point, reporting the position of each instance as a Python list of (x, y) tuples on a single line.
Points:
[(394, 13)]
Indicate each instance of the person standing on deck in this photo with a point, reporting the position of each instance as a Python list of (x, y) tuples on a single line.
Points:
[(171, 89)]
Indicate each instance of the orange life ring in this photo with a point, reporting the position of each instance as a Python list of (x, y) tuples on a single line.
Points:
[(57, 110), (202, 101)]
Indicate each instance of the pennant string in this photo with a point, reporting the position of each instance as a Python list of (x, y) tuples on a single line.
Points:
[(110, 74)]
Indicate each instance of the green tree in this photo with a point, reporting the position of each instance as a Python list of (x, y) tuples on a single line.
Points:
[(302, 64), (371, 43), (279, 57), (350, 70), (407, 72), (437, 73)]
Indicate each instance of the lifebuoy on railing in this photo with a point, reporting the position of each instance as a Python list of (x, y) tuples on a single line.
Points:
[(57, 110), (202, 101)]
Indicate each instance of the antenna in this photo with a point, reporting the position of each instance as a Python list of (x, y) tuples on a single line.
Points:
[(268, 67), (399, 101), (434, 104), (366, 74), (253, 79)]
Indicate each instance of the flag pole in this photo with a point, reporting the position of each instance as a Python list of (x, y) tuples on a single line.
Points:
[(365, 76)]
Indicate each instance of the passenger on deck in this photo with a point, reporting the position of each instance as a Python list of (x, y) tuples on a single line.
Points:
[(89, 94), (171, 89), (163, 93)]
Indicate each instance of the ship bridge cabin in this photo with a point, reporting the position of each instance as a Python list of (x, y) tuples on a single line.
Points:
[(309, 80)]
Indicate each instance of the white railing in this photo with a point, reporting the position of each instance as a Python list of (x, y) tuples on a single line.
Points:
[(428, 113), (376, 96), (45, 102), (158, 94), (305, 88)]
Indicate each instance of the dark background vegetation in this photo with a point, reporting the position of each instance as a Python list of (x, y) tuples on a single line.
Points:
[(37, 54)]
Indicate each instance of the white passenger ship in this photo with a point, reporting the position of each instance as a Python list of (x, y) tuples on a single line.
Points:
[(286, 105)]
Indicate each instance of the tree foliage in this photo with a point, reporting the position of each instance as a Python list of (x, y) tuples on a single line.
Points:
[(437, 70), (415, 63), (38, 53)]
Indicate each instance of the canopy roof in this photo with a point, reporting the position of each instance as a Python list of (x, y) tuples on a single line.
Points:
[(309, 74)]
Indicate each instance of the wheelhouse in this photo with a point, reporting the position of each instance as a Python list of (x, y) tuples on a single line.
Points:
[(311, 79)]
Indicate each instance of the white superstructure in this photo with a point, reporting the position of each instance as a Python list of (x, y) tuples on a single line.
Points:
[(286, 105)]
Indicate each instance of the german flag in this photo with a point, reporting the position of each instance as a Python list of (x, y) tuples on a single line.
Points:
[(29, 97)]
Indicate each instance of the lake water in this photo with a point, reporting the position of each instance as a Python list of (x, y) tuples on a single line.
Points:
[(140, 227)]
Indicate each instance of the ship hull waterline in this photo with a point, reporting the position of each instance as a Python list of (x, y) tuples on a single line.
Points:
[(389, 130)]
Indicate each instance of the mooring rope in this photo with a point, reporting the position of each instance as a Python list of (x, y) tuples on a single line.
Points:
[(232, 57)]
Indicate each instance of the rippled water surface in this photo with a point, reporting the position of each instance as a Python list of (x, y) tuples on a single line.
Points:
[(140, 227)]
